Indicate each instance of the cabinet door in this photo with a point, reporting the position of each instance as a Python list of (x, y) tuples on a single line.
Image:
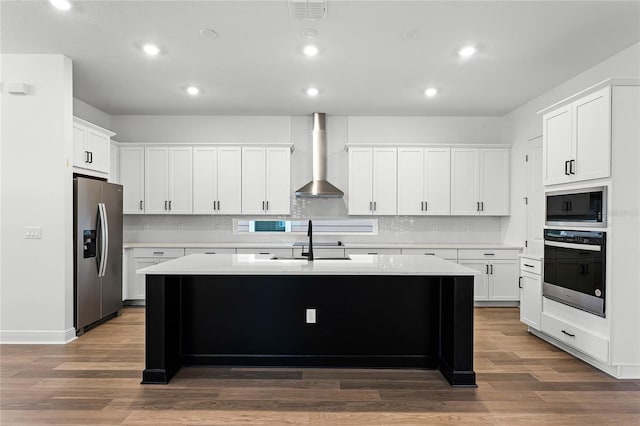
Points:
[(437, 181), (530, 299), (557, 145), (137, 292), (253, 184), (156, 181), (180, 180), (98, 146), (494, 182), (229, 178), (503, 280), (592, 136), (132, 179), (465, 185), (205, 160), (411, 181), (80, 156), (385, 175), (114, 163), (360, 181), (480, 287), (278, 186)]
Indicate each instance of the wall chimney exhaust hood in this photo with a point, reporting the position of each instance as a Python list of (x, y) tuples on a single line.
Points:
[(319, 187)]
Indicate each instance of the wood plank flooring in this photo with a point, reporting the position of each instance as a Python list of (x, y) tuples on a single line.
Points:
[(96, 380)]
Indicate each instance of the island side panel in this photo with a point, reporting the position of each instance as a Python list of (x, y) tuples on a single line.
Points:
[(162, 328), (362, 321), (456, 362)]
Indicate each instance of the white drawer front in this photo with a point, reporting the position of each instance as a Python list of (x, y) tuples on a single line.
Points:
[(531, 266), (449, 254), (189, 251), (373, 251), (158, 252), (487, 254), (272, 251), (589, 343)]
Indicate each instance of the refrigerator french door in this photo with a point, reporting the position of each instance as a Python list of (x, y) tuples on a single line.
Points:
[(97, 232)]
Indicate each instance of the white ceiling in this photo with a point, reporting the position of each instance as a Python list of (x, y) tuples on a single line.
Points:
[(365, 66)]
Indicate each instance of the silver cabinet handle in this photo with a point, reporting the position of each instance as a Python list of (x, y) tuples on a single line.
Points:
[(165, 204), (527, 265), (267, 205), (568, 334), (486, 267), (263, 206), (375, 205), (489, 254), (477, 206), (158, 253), (426, 206), (140, 204), (572, 167), (169, 205), (481, 206), (429, 254), (86, 156), (218, 205), (370, 206), (491, 269), (566, 167), (421, 205), (519, 282), (90, 157)]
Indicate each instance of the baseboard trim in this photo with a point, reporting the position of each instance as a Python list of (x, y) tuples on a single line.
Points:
[(37, 337)]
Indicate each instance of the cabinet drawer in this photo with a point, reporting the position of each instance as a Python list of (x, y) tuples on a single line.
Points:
[(531, 265), (209, 251), (449, 254), (158, 252), (583, 340), (487, 254), (372, 251), (272, 251)]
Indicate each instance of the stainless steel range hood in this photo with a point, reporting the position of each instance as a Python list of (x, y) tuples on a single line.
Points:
[(319, 187)]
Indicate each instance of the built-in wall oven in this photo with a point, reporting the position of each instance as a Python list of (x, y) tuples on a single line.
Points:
[(574, 268)]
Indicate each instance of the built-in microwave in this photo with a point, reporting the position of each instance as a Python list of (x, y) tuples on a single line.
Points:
[(585, 207)]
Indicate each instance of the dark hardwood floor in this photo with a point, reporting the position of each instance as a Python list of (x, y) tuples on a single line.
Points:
[(96, 380)]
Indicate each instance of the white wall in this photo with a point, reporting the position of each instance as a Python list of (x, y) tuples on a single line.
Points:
[(523, 124), (36, 277), (92, 115)]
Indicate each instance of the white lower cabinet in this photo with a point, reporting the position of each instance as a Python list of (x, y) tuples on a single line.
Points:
[(498, 279), (141, 258), (530, 283), (447, 254), (574, 335)]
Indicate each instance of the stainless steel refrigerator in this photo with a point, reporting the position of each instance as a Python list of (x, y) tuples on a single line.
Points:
[(97, 235)]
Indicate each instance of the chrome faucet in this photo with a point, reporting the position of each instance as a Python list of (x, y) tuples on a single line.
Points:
[(309, 253)]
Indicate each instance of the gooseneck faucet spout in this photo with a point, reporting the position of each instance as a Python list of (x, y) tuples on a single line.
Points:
[(309, 253)]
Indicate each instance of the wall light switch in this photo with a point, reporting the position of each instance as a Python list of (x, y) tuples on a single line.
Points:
[(311, 316), (33, 232)]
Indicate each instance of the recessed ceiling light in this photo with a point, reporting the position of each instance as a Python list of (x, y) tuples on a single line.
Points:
[(312, 91), (193, 90), (61, 4), (310, 50), (208, 33), (467, 51), (431, 92), (151, 49)]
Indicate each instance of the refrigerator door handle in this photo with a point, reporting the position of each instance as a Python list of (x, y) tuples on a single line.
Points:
[(104, 239)]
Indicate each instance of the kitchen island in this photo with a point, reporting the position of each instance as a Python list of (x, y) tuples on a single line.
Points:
[(366, 311)]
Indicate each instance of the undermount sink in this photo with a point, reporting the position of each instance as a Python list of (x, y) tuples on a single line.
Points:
[(304, 258)]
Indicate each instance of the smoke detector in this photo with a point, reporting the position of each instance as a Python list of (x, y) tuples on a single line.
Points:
[(308, 10)]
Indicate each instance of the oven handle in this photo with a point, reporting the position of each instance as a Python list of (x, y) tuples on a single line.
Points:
[(573, 246)]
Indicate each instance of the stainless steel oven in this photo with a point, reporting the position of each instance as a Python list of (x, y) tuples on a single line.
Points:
[(574, 268), (585, 208)]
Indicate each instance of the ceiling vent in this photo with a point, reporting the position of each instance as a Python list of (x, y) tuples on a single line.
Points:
[(308, 10)]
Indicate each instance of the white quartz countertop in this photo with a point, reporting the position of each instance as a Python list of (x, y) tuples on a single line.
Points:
[(257, 264), (347, 245)]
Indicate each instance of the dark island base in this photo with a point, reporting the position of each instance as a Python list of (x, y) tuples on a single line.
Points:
[(362, 322)]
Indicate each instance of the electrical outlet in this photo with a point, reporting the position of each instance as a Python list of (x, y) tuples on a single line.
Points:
[(311, 316), (33, 232)]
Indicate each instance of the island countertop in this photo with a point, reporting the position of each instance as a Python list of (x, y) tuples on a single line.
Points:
[(260, 264)]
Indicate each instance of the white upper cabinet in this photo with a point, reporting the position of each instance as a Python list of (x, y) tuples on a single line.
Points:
[(132, 179), (373, 181), (424, 181), (168, 180), (217, 180), (266, 174), (577, 140), (91, 148), (480, 181)]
